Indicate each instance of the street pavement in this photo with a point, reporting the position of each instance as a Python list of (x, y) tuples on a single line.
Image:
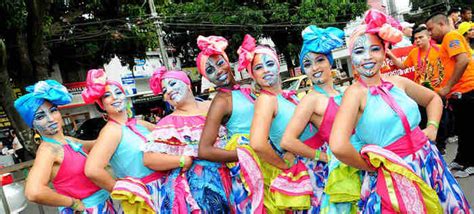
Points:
[(467, 185)]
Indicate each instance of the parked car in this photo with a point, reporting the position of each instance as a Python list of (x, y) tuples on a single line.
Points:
[(14, 194), (297, 83)]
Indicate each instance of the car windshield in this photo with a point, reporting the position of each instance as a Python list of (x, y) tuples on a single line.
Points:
[(290, 85)]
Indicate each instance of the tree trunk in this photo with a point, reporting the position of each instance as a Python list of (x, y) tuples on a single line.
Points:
[(20, 68), (7, 98), (39, 54)]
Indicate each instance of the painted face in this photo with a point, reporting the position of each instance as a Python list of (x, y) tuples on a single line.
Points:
[(368, 55), (265, 70), (422, 38), (47, 119), (435, 30), (218, 70), (317, 67), (114, 100), (174, 90)]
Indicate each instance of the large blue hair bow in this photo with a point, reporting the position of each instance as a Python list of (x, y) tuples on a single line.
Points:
[(319, 40), (49, 90)]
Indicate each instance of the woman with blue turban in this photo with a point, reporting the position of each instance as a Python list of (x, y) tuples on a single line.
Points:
[(59, 159), (319, 107)]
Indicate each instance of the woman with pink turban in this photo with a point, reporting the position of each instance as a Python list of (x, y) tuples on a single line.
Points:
[(193, 185), (406, 173), (119, 145), (232, 107), (287, 185)]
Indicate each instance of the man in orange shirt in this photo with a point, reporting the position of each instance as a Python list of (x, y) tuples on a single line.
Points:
[(429, 72), (457, 86)]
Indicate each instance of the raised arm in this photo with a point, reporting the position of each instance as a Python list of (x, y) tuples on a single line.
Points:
[(100, 155), (302, 116), (37, 189), (265, 109), (221, 107), (396, 61), (344, 123)]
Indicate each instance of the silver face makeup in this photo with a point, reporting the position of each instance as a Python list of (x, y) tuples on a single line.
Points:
[(314, 66), (217, 70), (119, 100), (175, 89), (366, 55), (47, 119), (267, 65)]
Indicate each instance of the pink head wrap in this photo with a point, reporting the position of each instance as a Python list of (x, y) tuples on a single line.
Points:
[(376, 22), (162, 73), (249, 49), (95, 88), (212, 45)]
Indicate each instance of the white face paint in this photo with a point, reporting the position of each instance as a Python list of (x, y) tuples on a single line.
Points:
[(265, 70), (217, 70), (47, 119), (368, 55), (114, 100), (317, 67), (174, 89)]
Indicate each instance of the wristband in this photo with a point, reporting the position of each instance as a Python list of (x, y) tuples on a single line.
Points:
[(434, 123), (288, 164), (317, 155), (74, 205), (182, 161)]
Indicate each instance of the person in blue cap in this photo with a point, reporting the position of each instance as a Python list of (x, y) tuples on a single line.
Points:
[(59, 159), (319, 107)]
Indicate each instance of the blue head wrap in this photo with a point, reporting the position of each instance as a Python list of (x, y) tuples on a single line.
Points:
[(49, 90), (319, 40)]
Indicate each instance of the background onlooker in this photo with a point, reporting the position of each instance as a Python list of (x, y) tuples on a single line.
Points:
[(466, 14), (407, 29), (454, 17)]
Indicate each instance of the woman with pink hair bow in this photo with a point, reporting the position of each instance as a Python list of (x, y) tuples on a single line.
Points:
[(406, 173), (273, 110), (232, 107), (119, 144), (193, 185)]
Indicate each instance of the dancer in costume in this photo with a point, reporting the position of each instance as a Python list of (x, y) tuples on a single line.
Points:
[(273, 111), (408, 174), (59, 159), (119, 144), (193, 185), (233, 108), (319, 107)]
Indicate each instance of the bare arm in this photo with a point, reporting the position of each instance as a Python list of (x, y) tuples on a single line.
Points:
[(303, 113), (100, 155), (265, 108), (162, 162), (219, 109), (396, 61), (37, 189), (344, 123), (462, 61), (146, 124)]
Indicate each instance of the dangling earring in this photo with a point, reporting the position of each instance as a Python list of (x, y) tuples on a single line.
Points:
[(105, 117), (37, 137)]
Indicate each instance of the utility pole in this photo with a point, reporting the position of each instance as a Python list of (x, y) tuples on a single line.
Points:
[(154, 16)]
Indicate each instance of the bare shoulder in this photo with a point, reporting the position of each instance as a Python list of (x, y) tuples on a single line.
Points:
[(355, 89), (265, 99), (49, 151), (110, 131)]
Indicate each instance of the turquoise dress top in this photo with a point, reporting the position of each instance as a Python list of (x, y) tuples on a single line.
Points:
[(280, 122), (127, 159), (242, 114), (378, 115)]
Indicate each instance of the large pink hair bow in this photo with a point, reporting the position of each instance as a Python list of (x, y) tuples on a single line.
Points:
[(249, 49), (95, 88), (162, 73), (211, 45), (376, 22)]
